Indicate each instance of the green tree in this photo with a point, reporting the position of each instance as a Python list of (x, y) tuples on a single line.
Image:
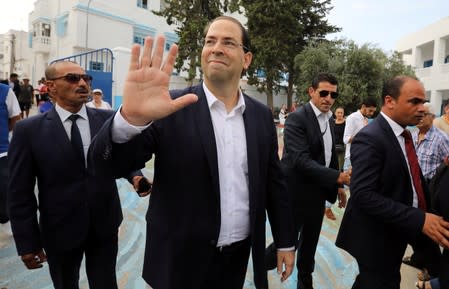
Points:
[(360, 70), (279, 30)]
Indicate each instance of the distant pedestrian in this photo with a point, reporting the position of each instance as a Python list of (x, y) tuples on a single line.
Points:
[(9, 115), (97, 101), (25, 97)]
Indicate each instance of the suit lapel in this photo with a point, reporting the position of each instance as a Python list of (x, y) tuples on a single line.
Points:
[(57, 133), (205, 127), (394, 141), (95, 122), (314, 122), (252, 149)]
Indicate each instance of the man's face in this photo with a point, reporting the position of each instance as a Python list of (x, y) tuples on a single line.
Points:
[(223, 58), (446, 110), (98, 96), (368, 111), (427, 121), (408, 109), (69, 95), (323, 103)]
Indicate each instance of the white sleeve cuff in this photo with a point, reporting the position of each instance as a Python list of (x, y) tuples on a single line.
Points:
[(122, 131)]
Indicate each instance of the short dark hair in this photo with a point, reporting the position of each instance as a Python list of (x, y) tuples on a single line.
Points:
[(13, 75), (323, 77), (393, 86), (246, 42), (370, 101)]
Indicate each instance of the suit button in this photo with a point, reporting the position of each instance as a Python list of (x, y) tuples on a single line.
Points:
[(213, 242)]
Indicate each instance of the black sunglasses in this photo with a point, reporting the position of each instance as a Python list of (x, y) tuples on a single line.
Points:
[(324, 93), (75, 77)]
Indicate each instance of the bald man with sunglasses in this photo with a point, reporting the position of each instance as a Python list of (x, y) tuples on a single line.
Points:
[(311, 167), (79, 213)]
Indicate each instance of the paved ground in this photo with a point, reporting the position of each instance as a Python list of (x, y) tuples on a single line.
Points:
[(334, 268)]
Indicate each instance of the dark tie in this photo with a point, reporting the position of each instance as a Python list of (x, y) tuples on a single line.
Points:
[(76, 141), (414, 168)]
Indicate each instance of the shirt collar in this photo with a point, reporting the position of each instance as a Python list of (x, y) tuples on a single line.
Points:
[(318, 112), (397, 128), (212, 99), (64, 114)]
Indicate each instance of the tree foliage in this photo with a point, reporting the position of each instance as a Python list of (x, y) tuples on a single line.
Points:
[(279, 30), (360, 70)]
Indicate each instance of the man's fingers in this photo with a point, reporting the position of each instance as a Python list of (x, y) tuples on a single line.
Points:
[(146, 55), (135, 57), (156, 60), (288, 271), (167, 67), (183, 101)]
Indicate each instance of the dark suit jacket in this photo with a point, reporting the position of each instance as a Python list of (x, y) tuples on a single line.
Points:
[(443, 204), (183, 219), (309, 181), (72, 202), (379, 220)]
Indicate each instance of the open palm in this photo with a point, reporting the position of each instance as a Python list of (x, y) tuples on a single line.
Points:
[(146, 96)]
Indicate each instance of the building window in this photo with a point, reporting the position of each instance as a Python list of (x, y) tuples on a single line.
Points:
[(142, 4), (139, 39), (46, 29), (96, 66), (428, 63)]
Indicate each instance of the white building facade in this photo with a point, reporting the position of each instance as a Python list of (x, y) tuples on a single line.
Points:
[(427, 51), (14, 54)]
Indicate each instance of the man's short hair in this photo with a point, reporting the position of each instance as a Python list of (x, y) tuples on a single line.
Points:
[(246, 42), (13, 75), (323, 77), (429, 107), (393, 86), (370, 102)]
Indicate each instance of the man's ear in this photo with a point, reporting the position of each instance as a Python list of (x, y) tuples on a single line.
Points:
[(310, 90)]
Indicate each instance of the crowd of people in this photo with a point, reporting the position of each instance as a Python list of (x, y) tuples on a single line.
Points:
[(204, 222)]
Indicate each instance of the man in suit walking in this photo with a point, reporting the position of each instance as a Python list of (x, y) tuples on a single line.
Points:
[(387, 208), (311, 168), (216, 166), (79, 212)]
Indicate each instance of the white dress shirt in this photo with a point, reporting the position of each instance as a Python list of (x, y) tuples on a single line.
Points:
[(323, 121), (397, 130), (82, 122), (354, 123)]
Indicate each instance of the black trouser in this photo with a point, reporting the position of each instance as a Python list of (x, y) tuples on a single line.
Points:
[(101, 258), (309, 228), (4, 176), (227, 269), (427, 254), (378, 277)]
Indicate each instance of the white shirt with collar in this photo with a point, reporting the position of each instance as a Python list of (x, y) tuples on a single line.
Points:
[(397, 130), (82, 122), (323, 121), (354, 123)]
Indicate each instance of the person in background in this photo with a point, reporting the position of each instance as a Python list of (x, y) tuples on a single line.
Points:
[(79, 212), (97, 101), (310, 163), (25, 97), (442, 122), (217, 171), (339, 129), (354, 123), (9, 115), (283, 112), (388, 204)]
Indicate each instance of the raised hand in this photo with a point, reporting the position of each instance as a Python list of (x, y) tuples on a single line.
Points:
[(146, 96)]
